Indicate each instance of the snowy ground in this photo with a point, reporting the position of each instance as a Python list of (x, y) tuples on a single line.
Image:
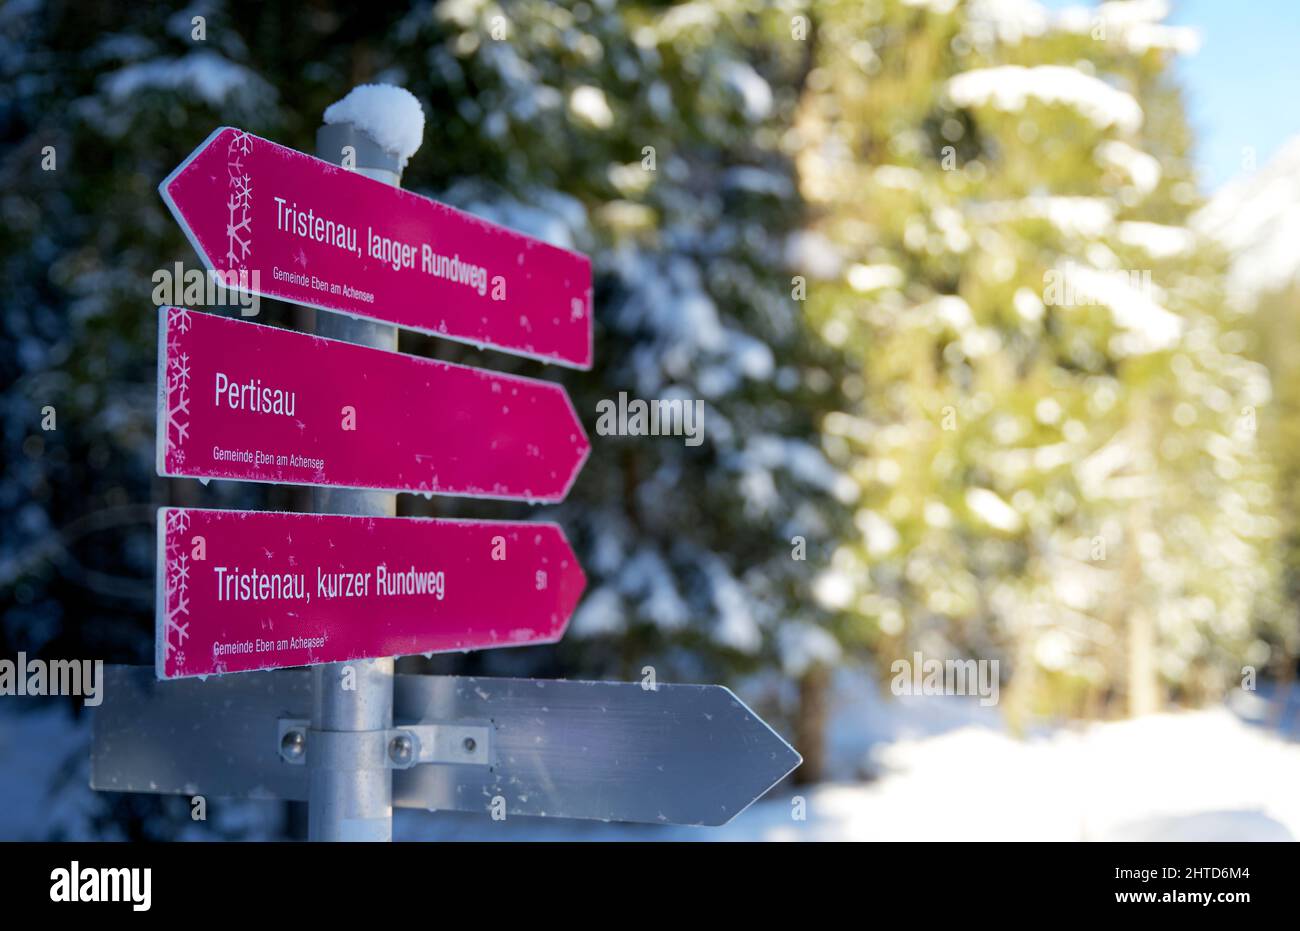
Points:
[(922, 768), (947, 769), (44, 771)]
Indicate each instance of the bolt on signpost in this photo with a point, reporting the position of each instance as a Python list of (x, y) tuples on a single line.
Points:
[(244, 595)]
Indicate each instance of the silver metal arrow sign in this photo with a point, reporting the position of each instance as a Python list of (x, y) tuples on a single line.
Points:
[(609, 751)]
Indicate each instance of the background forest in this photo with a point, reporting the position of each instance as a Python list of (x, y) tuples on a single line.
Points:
[(984, 376)]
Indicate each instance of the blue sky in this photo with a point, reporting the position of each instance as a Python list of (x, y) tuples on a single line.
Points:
[(1243, 86)]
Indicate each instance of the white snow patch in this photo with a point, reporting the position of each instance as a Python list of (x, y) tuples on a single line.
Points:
[(736, 626), (1153, 327), (801, 460), (1009, 87), (803, 645), (1010, 20), (1089, 217), (599, 614), (866, 278), (814, 254), (1257, 218), (390, 115), (548, 215), (1135, 24), (833, 589), (1187, 776), (1028, 305), (1156, 239), (1142, 169), (751, 356), (897, 177), (1196, 775), (207, 74), (698, 18), (647, 579), (755, 93), (588, 104), (990, 508), (950, 310), (756, 180), (881, 537)]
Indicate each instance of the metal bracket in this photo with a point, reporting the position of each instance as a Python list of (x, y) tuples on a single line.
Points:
[(451, 743), (397, 748)]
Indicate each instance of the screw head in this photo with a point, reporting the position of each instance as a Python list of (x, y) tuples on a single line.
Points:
[(293, 744), (401, 749), (470, 744)]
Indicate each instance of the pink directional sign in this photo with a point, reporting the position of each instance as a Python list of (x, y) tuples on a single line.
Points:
[(242, 590), (257, 403), (285, 225)]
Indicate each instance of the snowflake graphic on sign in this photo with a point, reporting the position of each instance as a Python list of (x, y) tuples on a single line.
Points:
[(239, 228), (175, 417), (177, 606)]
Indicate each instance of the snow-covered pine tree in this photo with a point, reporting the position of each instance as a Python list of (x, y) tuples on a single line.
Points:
[(1054, 436), (652, 138)]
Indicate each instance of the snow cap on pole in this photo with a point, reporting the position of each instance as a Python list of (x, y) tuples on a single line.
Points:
[(390, 116)]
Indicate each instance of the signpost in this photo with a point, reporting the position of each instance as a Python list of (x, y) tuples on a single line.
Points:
[(344, 592), (323, 236), (256, 403), (243, 590)]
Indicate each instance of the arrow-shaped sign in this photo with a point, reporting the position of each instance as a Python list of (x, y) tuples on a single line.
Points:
[(608, 751), (243, 590), (611, 751), (282, 224), (257, 403)]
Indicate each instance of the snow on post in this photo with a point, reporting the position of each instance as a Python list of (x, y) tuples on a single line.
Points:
[(389, 114)]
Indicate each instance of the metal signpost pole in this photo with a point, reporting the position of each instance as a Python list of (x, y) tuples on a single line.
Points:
[(351, 796)]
